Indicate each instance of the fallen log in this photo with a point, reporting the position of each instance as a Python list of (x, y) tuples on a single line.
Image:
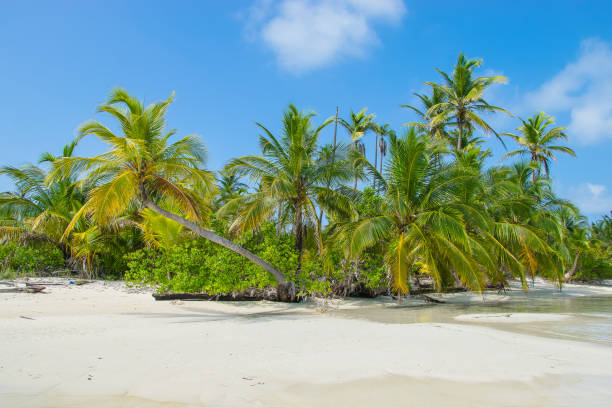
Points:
[(247, 295), (432, 290), (432, 299), (44, 284), (27, 289), (205, 296)]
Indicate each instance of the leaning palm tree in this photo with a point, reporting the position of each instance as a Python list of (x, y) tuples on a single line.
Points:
[(143, 169), (463, 98), (576, 234), (294, 175), (536, 140), (420, 220), (357, 126)]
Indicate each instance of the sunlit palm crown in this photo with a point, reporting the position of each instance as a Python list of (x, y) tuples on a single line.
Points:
[(293, 173), (358, 124), (536, 140), (461, 97), (141, 164), (37, 209)]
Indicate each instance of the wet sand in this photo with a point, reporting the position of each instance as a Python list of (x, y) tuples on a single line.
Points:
[(97, 345)]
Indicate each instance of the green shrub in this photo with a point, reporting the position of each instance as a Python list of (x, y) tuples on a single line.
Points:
[(27, 259), (594, 264), (202, 266)]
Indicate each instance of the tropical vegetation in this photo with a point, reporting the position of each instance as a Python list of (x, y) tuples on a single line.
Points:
[(305, 215)]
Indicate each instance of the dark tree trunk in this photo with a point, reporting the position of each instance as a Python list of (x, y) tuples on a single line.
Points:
[(572, 271), (211, 236)]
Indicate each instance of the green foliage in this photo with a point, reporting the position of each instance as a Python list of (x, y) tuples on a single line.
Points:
[(431, 210), (595, 264), (201, 266), (27, 259)]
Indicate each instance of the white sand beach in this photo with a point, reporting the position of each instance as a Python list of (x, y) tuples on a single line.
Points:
[(98, 345)]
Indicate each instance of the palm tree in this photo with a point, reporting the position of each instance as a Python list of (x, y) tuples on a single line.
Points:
[(382, 132), (576, 233), (143, 169), (230, 187), (357, 126), (37, 210), (526, 220), (536, 138), (419, 220), (428, 102), (382, 146), (462, 98), (294, 175)]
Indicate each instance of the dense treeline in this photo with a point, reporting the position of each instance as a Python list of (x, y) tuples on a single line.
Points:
[(293, 216)]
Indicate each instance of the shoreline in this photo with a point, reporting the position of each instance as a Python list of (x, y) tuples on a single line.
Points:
[(99, 344)]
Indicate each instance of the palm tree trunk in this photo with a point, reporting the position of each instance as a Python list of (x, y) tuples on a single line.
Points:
[(299, 235), (375, 162), (278, 221), (320, 220), (286, 290), (460, 137), (355, 169), (572, 271)]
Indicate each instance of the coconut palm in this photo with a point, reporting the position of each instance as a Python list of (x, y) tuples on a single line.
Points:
[(526, 220), (143, 169), (37, 210), (420, 220), (427, 103), (357, 126), (294, 175), (576, 235), (229, 187), (462, 99), (536, 140), (381, 132)]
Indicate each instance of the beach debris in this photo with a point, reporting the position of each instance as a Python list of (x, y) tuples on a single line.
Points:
[(26, 317), (44, 284), (249, 294), (26, 289), (431, 299)]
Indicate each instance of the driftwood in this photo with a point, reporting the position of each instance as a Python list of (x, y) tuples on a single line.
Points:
[(44, 284), (432, 290), (432, 299), (27, 289), (251, 294), (203, 296)]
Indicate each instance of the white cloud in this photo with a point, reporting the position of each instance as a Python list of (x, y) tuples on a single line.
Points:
[(308, 34), (596, 189), (583, 89), (592, 199)]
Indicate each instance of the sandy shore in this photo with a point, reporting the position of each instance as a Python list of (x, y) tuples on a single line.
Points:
[(98, 345)]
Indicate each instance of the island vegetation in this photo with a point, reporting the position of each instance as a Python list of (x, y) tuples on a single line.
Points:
[(307, 215)]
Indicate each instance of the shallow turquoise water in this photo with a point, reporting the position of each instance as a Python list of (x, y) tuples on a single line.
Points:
[(589, 318)]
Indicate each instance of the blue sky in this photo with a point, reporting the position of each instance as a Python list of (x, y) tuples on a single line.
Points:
[(235, 62)]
